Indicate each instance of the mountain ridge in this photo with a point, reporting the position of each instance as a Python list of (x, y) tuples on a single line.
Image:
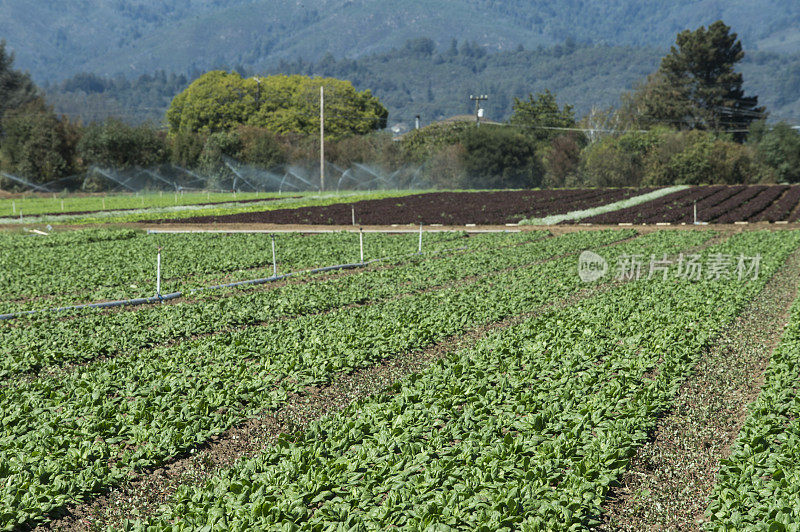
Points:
[(55, 40)]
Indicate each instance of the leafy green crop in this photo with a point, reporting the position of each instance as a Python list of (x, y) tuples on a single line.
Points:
[(99, 266), (528, 430), (39, 341), (758, 487), (79, 431)]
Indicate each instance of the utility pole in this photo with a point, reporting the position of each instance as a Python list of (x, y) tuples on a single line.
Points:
[(321, 138), (478, 99)]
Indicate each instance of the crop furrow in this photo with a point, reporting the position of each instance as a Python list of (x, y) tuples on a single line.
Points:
[(757, 485), (528, 430), (28, 350), (76, 434)]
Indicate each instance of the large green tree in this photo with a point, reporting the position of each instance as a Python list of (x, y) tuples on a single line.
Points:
[(540, 117), (500, 157), (16, 87), (36, 144), (778, 147), (116, 144), (221, 101), (696, 85)]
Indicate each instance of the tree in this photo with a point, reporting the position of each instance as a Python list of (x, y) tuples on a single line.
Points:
[(540, 116), (37, 145), (16, 88), (119, 145), (260, 147), (619, 161), (696, 86), (562, 159), (778, 147), (698, 157), (218, 101), (500, 157)]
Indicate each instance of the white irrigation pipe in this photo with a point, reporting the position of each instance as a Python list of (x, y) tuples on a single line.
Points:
[(454, 229), (274, 258), (175, 295), (158, 273)]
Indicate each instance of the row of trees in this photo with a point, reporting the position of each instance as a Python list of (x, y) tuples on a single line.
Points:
[(261, 121), (688, 123)]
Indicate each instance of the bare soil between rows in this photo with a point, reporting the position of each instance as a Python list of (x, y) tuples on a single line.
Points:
[(672, 475)]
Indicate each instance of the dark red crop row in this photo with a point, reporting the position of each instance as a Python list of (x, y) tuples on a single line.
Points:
[(783, 209), (714, 204), (449, 208), (753, 208)]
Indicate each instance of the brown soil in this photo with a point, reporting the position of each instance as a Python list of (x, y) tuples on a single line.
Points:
[(671, 476), (499, 207)]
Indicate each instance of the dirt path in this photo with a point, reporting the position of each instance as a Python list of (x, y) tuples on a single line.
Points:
[(671, 477)]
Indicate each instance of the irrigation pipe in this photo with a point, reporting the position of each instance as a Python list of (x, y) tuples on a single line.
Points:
[(176, 295), (105, 304), (455, 229)]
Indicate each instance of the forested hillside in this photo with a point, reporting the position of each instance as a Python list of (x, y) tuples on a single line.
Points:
[(419, 78), (55, 40)]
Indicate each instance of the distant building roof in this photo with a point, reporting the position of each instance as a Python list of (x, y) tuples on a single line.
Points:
[(399, 128), (466, 118)]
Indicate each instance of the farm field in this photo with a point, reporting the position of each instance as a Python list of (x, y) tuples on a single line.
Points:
[(485, 383), (450, 208), (132, 207), (715, 204)]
